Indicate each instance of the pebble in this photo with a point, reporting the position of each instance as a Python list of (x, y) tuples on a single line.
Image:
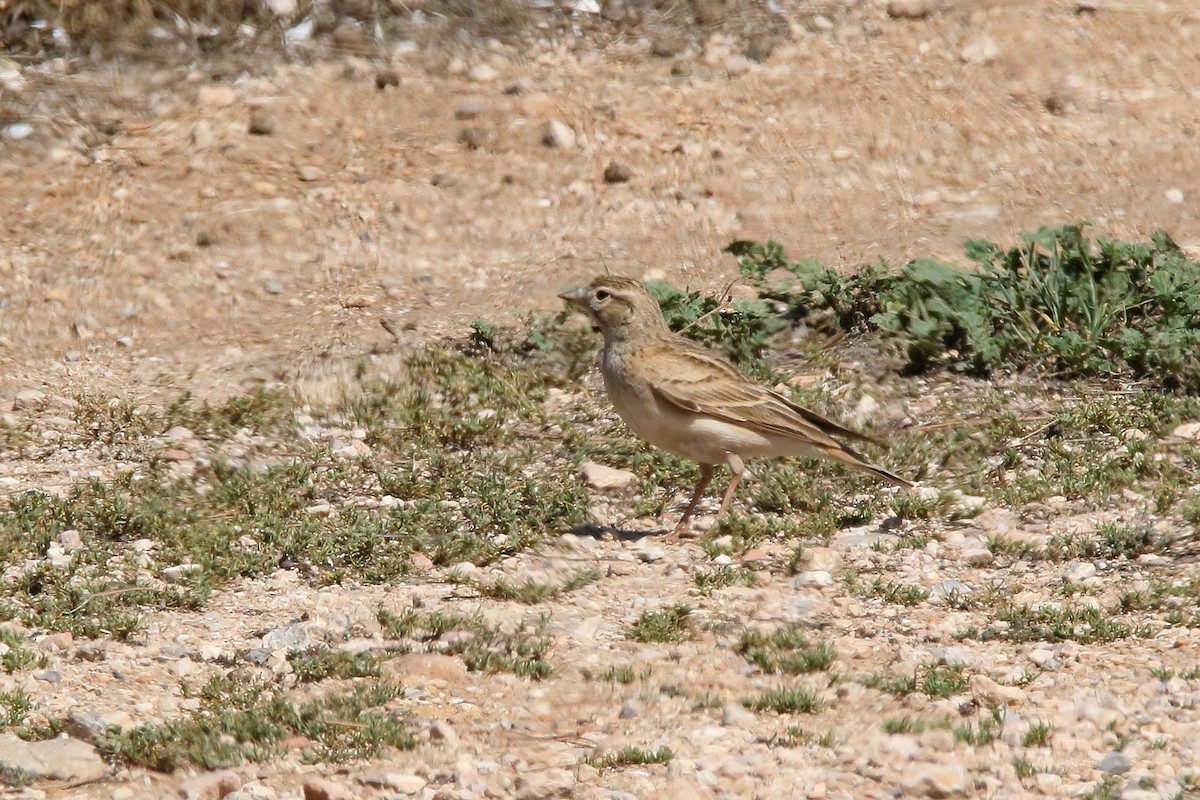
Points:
[(599, 476), (216, 96), (308, 172), (1079, 572), (261, 123), (980, 50), (386, 78), (483, 73), (813, 577), (1114, 763), (545, 784), (470, 108), (978, 557), (1174, 196), (616, 172), (558, 135), (27, 399), (909, 9), (210, 785), (935, 780)]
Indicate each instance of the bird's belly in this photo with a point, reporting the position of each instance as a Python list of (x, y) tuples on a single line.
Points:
[(690, 435)]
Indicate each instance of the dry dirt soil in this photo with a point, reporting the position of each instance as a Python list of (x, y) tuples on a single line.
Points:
[(227, 223)]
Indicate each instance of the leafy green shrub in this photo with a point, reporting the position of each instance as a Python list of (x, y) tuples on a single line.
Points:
[(1055, 300), (741, 327)]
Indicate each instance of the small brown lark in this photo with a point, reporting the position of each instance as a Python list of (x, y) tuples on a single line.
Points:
[(680, 396)]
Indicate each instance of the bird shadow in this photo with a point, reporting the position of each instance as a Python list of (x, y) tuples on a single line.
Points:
[(620, 534)]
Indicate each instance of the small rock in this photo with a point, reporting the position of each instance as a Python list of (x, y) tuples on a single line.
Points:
[(216, 96), (210, 785), (978, 557), (616, 172), (1044, 659), (483, 73), (473, 137), (320, 789), (282, 8), (649, 554), (980, 50), (935, 780), (736, 66), (58, 759), (735, 715), (442, 731), (558, 135), (420, 668), (1189, 431), (599, 476), (401, 782), (545, 784), (385, 78), (273, 287), (27, 399), (180, 572), (813, 577), (470, 108), (951, 656), (261, 123), (96, 650), (668, 45), (202, 135), (308, 172), (909, 9), (18, 131), (1079, 572), (1115, 763)]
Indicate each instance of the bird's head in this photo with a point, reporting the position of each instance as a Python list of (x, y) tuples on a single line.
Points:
[(616, 304)]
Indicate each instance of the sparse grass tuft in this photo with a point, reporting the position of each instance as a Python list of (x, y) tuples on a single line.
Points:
[(723, 576), (318, 663), (785, 650), (1038, 735), (629, 757), (785, 701), (984, 732), (248, 722), (669, 625)]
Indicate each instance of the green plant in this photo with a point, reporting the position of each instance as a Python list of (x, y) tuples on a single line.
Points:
[(239, 722), (318, 663), (741, 326), (785, 701), (1054, 299), (985, 732), (630, 756), (1038, 735), (785, 650), (668, 625)]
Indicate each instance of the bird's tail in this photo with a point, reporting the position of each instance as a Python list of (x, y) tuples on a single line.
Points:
[(852, 458)]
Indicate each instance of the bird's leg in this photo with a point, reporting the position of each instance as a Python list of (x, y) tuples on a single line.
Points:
[(737, 467), (706, 473)]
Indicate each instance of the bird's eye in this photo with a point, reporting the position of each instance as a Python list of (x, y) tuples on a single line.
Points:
[(602, 295)]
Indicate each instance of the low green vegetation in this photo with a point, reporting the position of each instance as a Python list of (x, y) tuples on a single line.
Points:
[(1055, 300), (785, 651), (785, 701), (482, 648), (629, 757), (669, 625), (930, 679), (239, 722)]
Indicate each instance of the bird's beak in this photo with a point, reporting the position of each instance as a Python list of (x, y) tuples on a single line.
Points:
[(576, 297)]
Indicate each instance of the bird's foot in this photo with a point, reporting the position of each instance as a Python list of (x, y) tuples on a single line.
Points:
[(681, 533)]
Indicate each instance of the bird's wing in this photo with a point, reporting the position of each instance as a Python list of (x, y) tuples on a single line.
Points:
[(698, 381)]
